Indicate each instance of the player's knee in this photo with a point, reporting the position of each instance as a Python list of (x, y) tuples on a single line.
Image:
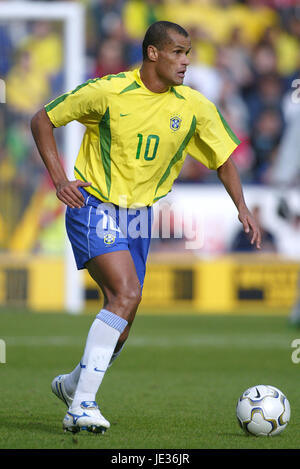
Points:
[(130, 299), (126, 300)]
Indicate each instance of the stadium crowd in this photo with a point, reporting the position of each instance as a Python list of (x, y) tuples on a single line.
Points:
[(245, 58)]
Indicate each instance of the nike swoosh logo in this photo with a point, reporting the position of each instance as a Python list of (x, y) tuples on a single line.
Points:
[(123, 115), (96, 369), (258, 394)]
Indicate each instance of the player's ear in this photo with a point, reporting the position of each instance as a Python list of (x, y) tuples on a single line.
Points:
[(152, 53)]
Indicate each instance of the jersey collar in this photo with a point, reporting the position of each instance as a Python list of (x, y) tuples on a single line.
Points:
[(138, 79)]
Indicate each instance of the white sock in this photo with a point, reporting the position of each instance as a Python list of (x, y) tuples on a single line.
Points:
[(71, 379), (100, 344)]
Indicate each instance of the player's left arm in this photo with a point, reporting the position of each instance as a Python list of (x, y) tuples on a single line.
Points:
[(229, 176)]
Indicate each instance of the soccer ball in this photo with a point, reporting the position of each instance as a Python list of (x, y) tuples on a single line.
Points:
[(263, 410)]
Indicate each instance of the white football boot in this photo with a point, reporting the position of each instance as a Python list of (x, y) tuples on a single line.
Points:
[(85, 417), (59, 390)]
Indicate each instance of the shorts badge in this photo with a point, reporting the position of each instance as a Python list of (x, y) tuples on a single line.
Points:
[(109, 239)]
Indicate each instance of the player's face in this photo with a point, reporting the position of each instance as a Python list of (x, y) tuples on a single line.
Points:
[(172, 60)]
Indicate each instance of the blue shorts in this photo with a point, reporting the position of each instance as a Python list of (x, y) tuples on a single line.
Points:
[(100, 227)]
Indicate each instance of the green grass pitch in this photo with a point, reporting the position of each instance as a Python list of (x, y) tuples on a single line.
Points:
[(175, 385)]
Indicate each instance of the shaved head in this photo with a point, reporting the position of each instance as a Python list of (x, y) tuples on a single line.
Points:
[(157, 35)]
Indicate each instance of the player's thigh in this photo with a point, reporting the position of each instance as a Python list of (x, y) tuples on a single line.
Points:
[(115, 273)]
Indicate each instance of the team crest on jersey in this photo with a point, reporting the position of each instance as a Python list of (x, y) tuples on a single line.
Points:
[(175, 123), (109, 238)]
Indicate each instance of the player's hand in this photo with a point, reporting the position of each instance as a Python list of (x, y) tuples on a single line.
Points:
[(69, 194), (250, 226)]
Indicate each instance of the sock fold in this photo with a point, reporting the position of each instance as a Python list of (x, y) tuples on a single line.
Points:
[(112, 320)]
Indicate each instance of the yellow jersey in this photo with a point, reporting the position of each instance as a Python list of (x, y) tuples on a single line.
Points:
[(136, 141)]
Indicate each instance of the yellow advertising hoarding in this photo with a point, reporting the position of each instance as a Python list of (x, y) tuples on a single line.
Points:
[(220, 285)]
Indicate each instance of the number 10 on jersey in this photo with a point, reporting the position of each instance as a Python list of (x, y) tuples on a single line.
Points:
[(150, 147)]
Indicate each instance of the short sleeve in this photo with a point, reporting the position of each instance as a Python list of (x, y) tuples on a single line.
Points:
[(86, 104), (213, 141)]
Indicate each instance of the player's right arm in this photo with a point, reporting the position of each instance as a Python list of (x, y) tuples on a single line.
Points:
[(85, 104), (42, 131)]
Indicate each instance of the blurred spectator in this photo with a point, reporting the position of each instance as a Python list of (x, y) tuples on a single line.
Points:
[(193, 171), (291, 98), (266, 93), (6, 50), (234, 57), (264, 59), (137, 17), (293, 37), (218, 18), (203, 78), (242, 240), (26, 87), (109, 59), (45, 48), (204, 48), (285, 171), (265, 139), (105, 16), (286, 46), (232, 104)]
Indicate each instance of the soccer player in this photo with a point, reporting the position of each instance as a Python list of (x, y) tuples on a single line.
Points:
[(140, 125)]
